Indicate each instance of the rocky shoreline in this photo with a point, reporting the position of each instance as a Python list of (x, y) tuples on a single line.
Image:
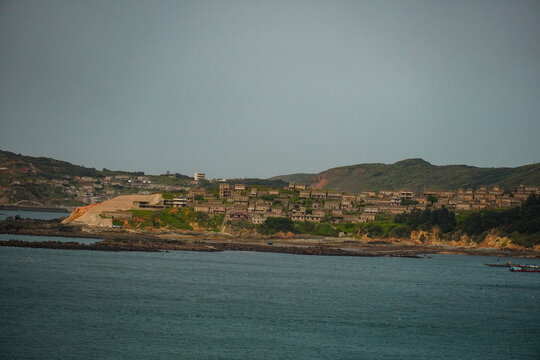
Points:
[(152, 241), (152, 246)]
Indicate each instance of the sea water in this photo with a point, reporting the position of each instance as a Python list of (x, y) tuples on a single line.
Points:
[(36, 238), (24, 214), (61, 304), (41, 215)]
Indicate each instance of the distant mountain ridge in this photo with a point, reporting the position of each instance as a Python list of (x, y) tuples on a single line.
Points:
[(416, 175)]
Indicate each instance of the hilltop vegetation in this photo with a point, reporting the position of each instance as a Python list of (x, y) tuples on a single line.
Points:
[(43, 167), (417, 174), (294, 178)]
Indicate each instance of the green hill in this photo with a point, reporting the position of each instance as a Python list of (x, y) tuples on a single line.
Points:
[(417, 174), (294, 178), (44, 167)]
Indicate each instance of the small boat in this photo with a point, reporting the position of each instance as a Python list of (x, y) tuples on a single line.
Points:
[(508, 264), (524, 269), (529, 266)]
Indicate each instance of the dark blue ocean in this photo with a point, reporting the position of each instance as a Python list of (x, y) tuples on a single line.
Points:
[(60, 304)]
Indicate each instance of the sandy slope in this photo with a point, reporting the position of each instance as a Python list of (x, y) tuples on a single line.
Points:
[(89, 215)]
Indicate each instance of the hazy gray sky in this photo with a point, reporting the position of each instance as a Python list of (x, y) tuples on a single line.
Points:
[(262, 88)]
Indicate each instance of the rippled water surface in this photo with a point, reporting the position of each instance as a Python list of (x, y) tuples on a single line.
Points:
[(43, 215), (243, 305), (48, 238)]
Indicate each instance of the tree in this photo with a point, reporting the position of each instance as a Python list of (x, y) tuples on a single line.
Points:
[(273, 225), (432, 199)]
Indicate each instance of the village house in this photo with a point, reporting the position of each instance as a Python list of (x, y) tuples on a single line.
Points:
[(208, 196), (318, 194), (235, 214), (176, 202), (394, 210), (198, 176), (239, 187), (440, 193), (195, 192), (283, 202), (258, 218), (124, 215), (377, 201), (366, 217), (224, 190), (463, 206), (371, 210), (285, 195), (260, 206), (481, 193), (421, 199), (305, 194), (298, 215), (217, 209), (508, 201), (332, 205), (348, 199), (334, 195), (404, 194), (478, 206), (241, 200), (146, 205), (385, 193), (201, 208), (353, 219), (87, 179), (315, 216), (465, 194)]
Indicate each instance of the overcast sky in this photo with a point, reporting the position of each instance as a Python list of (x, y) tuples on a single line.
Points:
[(262, 88)]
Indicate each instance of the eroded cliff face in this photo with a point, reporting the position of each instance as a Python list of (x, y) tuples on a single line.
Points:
[(493, 240), (78, 212), (320, 181)]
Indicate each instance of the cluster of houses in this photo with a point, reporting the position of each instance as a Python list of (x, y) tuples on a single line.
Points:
[(89, 190), (255, 204), (296, 201)]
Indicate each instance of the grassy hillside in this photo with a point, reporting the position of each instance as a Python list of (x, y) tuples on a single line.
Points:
[(294, 178), (415, 174), (48, 168)]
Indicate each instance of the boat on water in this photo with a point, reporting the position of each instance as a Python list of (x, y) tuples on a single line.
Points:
[(511, 265), (508, 264), (524, 269)]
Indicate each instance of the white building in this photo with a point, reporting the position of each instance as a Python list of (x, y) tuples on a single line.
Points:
[(199, 176)]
